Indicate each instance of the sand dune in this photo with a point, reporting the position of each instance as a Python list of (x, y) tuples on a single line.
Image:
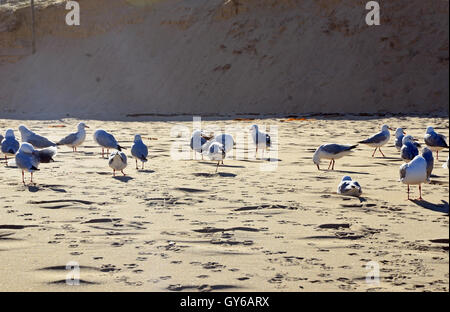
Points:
[(177, 226), (202, 57)]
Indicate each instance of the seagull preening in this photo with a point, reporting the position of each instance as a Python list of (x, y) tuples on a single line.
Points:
[(106, 140), (34, 139), (418, 170), (117, 161), (139, 150), (332, 152), (378, 140), (198, 142), (409, 148), (435, 141), (399, 134), (260, 139), (349, 187), (28, 158), (216, 151), (75, 139), (10, 145)]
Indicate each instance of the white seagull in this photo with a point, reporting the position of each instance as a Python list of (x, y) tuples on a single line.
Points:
[(435, 141), (199, 142), (34, 139), (28, 159), (117, 161), (399, 134), (349, 187), (378, 140), (75, 139), (260, 139), (10, 145), (216, 151), (106, 140), (332, 152), (409, 148), (139, 150), (418, 170)]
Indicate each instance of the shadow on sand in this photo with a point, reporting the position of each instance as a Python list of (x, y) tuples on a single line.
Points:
[(444, 207)]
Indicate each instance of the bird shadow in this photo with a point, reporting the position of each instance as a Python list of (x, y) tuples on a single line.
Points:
[(444, 207), (146, 170), (349, 172), (123, 178), (33, 188), (210, 175)]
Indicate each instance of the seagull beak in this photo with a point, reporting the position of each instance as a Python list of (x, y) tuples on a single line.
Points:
[(390, 129), (86, 126)]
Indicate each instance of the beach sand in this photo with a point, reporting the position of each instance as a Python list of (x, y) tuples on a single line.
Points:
[(179, 226)]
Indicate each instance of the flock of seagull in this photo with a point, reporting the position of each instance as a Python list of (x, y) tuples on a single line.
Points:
[(36, 149), (416, 169)]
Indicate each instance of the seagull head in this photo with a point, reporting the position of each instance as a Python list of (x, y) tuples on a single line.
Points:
[(137, 138), (23, 129), (254, 128), (9, 133), (430, 129), (399, 132), (385, 128), (346, 178), (82, 125), (316, 157), (26, 148), (408, 138)]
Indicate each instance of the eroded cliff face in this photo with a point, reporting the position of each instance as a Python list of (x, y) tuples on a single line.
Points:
[(218, 58)]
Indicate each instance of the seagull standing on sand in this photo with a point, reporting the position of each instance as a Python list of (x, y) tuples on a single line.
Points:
[(399, 134), (418, 170), (378, 140), (75, 139), (139, 150), (28, 159), (409, 148), (34, 139), (106, 140), (435, 141), (226, 140), (198, 142), (216, 151), (117, 161), (332, 152), (260, 139), (349, 187), (10, 145)]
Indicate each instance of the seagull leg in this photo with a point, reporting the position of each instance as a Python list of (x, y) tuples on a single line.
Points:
[(408, 191), (217, 167), (142, 165), (123, 172), (437, 155), (103, 152), (114, 172), (332, 168), (23, 177), (420, 192), (373, 154), (136, 165), (381, 152), (31, 177), (330, 164)]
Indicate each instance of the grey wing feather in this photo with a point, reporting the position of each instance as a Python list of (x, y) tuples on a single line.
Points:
[(336, 148), (68, 139), (39, 141), (435, 140), (107, 140), (46, 155), (377, 138)]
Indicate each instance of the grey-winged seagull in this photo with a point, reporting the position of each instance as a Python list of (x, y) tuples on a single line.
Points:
[(418, 170), (106, 140), (28, 158), (435, 141), (409, 148), (216, 151), (34, 139), (75, 139), (10, 145), (260, 139), (117, 161), (378, 140), (349, 187), (139, 150), (332, 152)]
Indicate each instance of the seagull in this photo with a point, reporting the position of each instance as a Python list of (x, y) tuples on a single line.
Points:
[(226, 140), (216, 151), (117, 161), (399, 134), (198, 141), (409, 148), (349, 187), (331, 151), (28, 158), (435, 141), (10, 145), (106, 140), (139, 150), (378, 140), (418, 170), (261, 139), (36, 140), (75, 139)]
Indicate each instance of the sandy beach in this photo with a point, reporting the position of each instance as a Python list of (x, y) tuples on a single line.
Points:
[(178, 226)]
